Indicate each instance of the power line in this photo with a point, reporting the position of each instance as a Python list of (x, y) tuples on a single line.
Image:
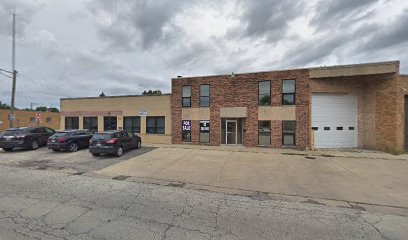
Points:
[(43, 85)]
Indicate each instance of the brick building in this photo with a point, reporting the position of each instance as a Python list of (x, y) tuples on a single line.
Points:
[(28, 119), (345, 106)]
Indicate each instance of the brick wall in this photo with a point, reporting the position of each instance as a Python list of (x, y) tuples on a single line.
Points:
[(379, 114), (23, 119), (242, 91)]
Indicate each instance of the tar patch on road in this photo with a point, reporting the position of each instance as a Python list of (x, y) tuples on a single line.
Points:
[(313, 202), (358, 207), (261, 196), (120, 177), (176, 184)]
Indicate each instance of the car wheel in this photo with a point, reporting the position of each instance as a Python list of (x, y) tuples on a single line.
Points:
[(73, 147), (119, 152), (138, 145), (8, 149), (95, 154), (34, 145)]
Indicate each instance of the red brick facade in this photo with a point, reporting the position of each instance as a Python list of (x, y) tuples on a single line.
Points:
[(241, 90)]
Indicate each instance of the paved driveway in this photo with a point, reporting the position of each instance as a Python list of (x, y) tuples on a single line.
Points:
[(379, 181), (78, 162)]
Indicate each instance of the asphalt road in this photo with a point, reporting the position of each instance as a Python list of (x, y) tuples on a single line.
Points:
[(37, 204), (78, 162)]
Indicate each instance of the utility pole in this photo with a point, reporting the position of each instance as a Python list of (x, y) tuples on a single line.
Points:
[(13, 90)]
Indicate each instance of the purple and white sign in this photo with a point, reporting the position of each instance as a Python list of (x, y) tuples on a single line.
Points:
[(186, 125)]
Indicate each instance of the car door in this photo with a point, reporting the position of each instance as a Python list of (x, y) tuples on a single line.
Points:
[(125, 140), (42, 135), (132, 140)]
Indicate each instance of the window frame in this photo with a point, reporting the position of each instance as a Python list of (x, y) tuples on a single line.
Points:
[(209, 132), (111, 117), (182, 95), (270, 133), (289, 94), (155, 124), (259, 94), (90, 118), (202, 96), (132, 121), (71, 118), (48, 119), (289, 133)]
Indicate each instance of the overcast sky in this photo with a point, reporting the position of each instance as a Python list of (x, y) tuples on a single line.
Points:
[(74, 48)]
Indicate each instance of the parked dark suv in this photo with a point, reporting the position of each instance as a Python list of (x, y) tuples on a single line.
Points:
[(25, 137), (69, 140), (113, 142)]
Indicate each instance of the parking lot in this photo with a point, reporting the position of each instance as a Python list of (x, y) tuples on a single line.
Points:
[(79, 162)]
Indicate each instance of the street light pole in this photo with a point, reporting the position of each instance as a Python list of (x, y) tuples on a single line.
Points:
[(13, 90)]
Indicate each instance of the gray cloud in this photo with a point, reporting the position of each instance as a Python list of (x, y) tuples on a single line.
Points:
[(267, 18), (331, 13), (136, 23), (388, 35), (24, 9)]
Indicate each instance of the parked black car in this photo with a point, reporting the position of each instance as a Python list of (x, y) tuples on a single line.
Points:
[(25, 137), (113, 142), (69, 140)]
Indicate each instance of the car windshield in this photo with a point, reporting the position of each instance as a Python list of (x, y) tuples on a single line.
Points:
[(13, 132), (60, 134), (102, 136)]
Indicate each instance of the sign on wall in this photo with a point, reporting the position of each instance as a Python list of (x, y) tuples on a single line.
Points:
[(142, 113), (186, 125), (204, 126)]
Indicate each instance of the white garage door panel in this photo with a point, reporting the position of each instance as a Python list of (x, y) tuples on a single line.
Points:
[(334, 110)]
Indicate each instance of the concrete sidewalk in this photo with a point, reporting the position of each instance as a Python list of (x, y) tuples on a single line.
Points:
[(375, 180)]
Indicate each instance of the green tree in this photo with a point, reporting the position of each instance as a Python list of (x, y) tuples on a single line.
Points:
[(4, 106)]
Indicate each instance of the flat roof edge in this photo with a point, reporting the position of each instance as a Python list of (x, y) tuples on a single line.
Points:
[(355, 70), (118, 96)]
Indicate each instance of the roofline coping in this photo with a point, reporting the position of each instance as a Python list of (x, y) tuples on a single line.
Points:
[(296, 69), (118, 96)]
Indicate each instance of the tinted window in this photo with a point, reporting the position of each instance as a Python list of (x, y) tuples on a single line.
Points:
[(264, 89), (49, 130), (13, 132), (102, 136), (132, 124), (38, 130), (60, 134), (110, 123), (71, 122)]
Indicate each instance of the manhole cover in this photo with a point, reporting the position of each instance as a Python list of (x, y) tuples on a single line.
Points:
[(120, 177)]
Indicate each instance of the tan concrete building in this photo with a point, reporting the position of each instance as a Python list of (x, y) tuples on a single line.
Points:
[(148, 116), (28, 119)]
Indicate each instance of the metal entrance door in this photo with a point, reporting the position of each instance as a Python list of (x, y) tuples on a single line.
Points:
[(231, 132)]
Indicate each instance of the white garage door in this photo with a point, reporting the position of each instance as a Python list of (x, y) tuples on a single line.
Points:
[(334, 120)]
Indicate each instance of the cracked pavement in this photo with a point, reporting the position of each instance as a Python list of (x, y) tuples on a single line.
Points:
[(53, 205)]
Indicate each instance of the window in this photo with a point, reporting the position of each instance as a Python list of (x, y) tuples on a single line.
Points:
[(339, 128), (32, 119), (186, 131), (205, 95), (351, 128), (204, 131), (315, 128), (326, 128), (186, 96), (264, 133), (39, 130), (288, 133), (264, 91), (49, 120), (288, 92), (110, 123), (71, 122), (132, 124), (49, 130), (155, 125), (91, 123)]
